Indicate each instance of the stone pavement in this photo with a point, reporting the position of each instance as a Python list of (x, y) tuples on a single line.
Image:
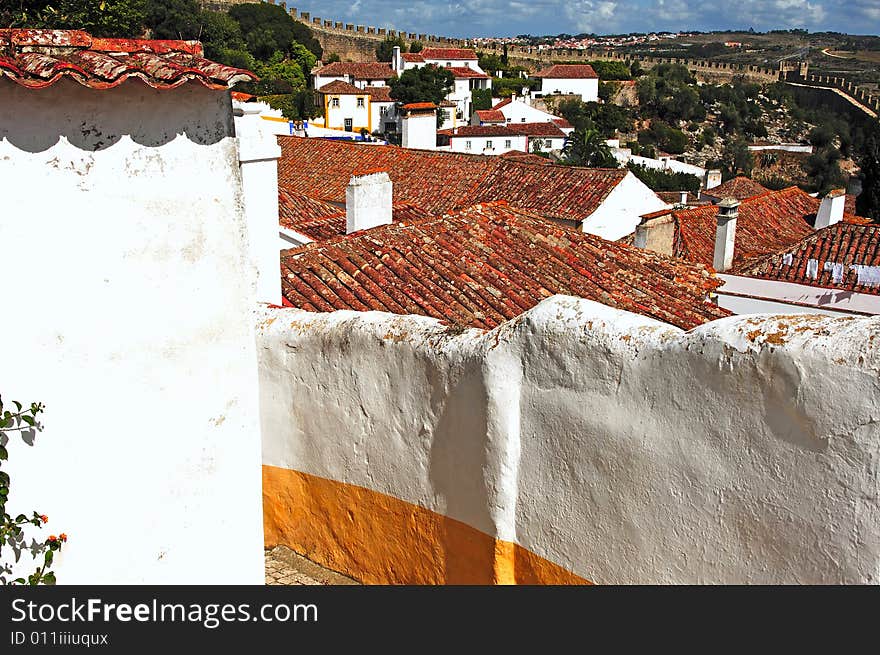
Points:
[(285, 567)]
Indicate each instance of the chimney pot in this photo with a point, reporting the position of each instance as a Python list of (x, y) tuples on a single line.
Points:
[(725, 234), (830, 209), (368, 199)]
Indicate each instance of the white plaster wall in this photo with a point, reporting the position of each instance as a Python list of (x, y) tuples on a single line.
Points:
[(419, 131), (479, 144), (335, 116), (754, 293), (587, 89), (455, 63), (622, 448), (620, 212), (664, 164), (131, 294), (520, 112)]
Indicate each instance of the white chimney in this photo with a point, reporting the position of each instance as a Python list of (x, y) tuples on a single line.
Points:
[(831, 209), (367, 201), (725, 234), (396, 59), (683, 199)]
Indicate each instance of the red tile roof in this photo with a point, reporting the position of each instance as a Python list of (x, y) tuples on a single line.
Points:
[(321, 221), (447, 54), (487, 264), (416, 106), (463, 72), (490, 116), (38, 58), (371, 70), (563, 124), (767, 223), (568, 72), (443, 181), (340, 88), (739, 188), (503, 103), (518, 155), (547, 129), (846, 252), (414, 57), (379, 93), (478, 130)]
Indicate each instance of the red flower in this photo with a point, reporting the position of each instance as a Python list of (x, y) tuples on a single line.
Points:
[(63, 537), (53, 538), (44, 518)]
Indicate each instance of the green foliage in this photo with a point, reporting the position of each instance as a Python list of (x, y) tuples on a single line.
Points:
[(332, 57), (490, 62), (108, 18), (481, 99), (611, 70), (269, 28), (173, 19), (587, 147), (299, 105), (868, 201), (415, 46), (668, 92), (665, 137), (607, 119), (736, 159), (12, 529), (385, 49), (823, 170), (280, 75), (504, 87), (658, 180), (425, 84)]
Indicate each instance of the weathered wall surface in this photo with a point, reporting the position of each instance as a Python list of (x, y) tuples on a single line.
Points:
[(129, 313), (574, 443)]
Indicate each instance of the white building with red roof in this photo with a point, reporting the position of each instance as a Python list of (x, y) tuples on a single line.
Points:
[(570, 79)]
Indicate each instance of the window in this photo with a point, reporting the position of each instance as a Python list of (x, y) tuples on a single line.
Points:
[(507, 143), (508, 120), (467, 145), (489, 144), (448, 64), (334, 102), (522, 120), (360, 102)]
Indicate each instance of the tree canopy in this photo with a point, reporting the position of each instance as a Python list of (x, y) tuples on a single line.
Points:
[(385, 49), (425, 84)]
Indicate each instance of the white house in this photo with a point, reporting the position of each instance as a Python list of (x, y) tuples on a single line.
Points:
[(441, 57), (483, 139), (542, 137), (125, 214), (466, 81), (418, 125), (346, 107), (570, 79), (516, 110), (361, 74)]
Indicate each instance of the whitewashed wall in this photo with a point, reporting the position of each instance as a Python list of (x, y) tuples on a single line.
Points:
[(624, 449), (621, 211), (130, 295)]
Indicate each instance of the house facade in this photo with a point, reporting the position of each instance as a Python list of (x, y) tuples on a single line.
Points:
[(570, 79)]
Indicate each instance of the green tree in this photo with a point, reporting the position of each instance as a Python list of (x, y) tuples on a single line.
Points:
[(174, 19), (658, 180), (868, 201), (481, 99), (425, 84), (416, 46), (109, 18), (737, 159), (587, 147), (269, 29), (385, 49), (332, 57), (823, 170)]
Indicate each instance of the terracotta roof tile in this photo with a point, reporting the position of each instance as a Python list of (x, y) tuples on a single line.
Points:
[(490, 116), (38, 58), (487, 264), (413, 57), (443, 181), (447, 54), (846, 252), (568, 72), (321, 221), (563, 124), (547, 129), (371, 70), (518, 155), (767, 223), (463, 72), (338, 87), (379, 93), (478, 130), (739, 188), (503, 103)]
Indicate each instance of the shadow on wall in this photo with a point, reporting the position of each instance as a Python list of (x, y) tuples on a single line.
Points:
[(33, 120)]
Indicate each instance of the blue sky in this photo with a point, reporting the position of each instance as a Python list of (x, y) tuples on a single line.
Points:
[(498, 18)]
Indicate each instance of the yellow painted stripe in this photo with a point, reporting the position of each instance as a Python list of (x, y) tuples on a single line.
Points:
[(274, 118), (379, 539)]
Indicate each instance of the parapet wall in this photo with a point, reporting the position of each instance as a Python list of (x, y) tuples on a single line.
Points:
[(575, 443)]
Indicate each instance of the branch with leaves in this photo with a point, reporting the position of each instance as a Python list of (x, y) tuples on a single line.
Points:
[(12, 529)]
